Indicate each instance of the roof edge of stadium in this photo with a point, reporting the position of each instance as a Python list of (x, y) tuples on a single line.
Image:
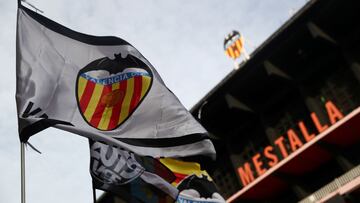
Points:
[(255, 52)]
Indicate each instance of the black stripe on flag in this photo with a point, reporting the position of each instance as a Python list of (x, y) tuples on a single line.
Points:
[(165, 142), (88, 39), (38, 126)]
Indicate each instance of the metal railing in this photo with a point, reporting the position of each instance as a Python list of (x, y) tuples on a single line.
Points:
[(333, 186)]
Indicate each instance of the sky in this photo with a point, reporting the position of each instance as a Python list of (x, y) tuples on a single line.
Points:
[(182, 39)]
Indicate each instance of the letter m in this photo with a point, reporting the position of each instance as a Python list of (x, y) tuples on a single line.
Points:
[(246, 174)]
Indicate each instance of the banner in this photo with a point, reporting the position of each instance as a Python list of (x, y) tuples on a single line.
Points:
[(101, 88), (133, 178)]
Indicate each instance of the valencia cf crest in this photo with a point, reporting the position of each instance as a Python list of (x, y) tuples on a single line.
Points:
[(109, 91), (234, 44)]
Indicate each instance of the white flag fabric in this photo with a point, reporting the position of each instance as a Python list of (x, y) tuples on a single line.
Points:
[(101, 88), (131, 177)]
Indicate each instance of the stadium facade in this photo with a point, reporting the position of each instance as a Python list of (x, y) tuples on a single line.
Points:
[(286, 123)]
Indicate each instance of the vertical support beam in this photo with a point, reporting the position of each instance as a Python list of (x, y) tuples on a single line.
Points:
[(315, 106), (351, 57), (22, 160), (299, 191), (344, 163), (355, 67)]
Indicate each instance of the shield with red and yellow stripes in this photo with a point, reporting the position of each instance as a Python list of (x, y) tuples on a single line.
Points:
[(109, 91), (234, 44)]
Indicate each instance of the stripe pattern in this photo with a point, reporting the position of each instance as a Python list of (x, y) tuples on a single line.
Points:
[(235, 49), (107, 106), (182, 169)]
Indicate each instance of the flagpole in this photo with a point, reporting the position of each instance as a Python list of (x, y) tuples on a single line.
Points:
[(22, 160), (94, 193)]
